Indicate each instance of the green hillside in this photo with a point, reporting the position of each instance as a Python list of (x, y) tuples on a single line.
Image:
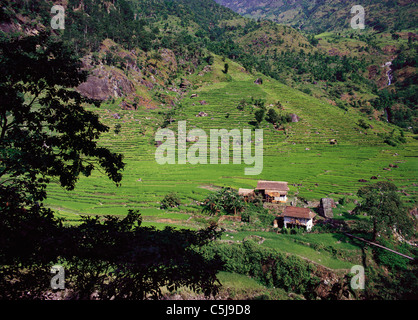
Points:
[(301, 155), (374, 69), (319, 15), (337, 110)]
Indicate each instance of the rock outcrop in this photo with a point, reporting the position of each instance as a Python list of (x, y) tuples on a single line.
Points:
[(325, 207)]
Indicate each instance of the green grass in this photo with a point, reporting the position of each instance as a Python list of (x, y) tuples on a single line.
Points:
[(242, 287), (301, 155), (298, 245), (238, 287), (238, 281)]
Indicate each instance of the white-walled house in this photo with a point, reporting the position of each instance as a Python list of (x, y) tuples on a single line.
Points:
[(298, 217)]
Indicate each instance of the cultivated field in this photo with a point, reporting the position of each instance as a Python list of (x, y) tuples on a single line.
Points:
[(301, 154)]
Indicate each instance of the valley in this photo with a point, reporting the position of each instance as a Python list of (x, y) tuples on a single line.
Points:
[(336, 109)]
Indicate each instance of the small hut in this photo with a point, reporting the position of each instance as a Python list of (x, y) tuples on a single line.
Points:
[(246, 193), (273, 191)]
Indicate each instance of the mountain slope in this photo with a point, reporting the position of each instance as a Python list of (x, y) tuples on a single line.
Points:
[(320, 16), (156, 63), (192, 30), (301, 153), (146, 85)]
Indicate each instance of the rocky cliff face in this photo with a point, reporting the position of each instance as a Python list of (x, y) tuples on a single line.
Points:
[(133, 75), (103, 84)]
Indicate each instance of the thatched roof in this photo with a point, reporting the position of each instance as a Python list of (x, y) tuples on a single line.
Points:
[(295, 212), (245, 192), (272, 186)]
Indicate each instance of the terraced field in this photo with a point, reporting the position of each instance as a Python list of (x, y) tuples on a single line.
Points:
[(301, 155)]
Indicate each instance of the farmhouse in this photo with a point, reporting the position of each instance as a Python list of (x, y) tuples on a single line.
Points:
[(298, 217), (273, 191)]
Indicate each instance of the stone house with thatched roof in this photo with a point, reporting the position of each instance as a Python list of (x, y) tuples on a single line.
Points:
[(294, 216), (273, 191)]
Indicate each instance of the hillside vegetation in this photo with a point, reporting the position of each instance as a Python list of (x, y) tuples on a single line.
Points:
[(331, 124), (320, 16)]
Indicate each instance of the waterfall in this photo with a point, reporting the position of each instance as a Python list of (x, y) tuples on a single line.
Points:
[(389, 75), (389, 72)]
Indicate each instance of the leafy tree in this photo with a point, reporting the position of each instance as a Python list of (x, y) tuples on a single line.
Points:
[(259, 115), (272, 116), (226, 68), (110, 257), (45, 132), (171, 200), (226, 199), (232, 202), (382, 203), (212, 204), (44, 129)]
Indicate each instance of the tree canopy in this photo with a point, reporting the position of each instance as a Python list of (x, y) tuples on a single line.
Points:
[(226, 199), (383, 204), (46, 132)]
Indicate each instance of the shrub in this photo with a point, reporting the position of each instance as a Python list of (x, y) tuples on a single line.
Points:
[(272, 116), (393, 140), (117, 128), (307, 91), (226, 68), (226, 199), (171, 200), (362, 124), (242, 104), (390, 259), (266, 265), (343, 201), (259, 115), (256, 215), (210, 60)]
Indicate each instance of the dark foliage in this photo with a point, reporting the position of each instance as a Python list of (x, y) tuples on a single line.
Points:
[(383, 204), (171, 200), (47, 133), (45, 129), (114, 258), (225, 200), (268, 266)]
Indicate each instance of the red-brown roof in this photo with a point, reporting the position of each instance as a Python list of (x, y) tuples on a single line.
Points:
[(272, 185), (296, 212)]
